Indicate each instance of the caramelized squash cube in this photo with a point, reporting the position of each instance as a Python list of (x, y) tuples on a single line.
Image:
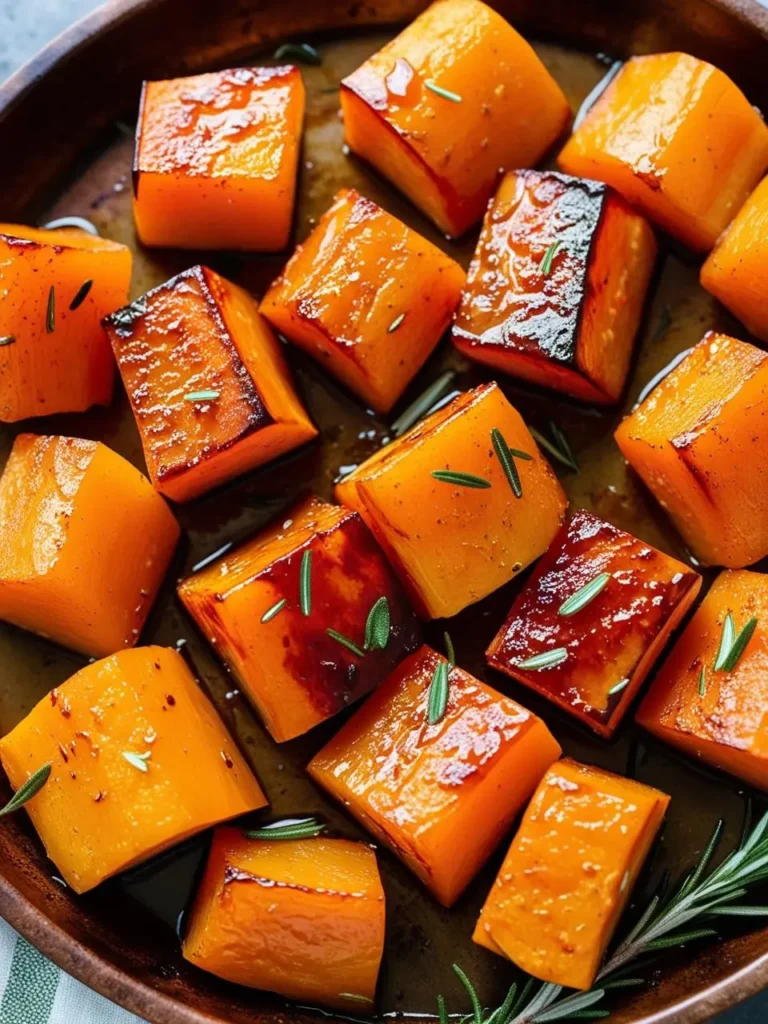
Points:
[(210, 390), (569, 873), (712, 710), (452, 543), (367, 297), (276, 642), (129, 739), (303, 918), (557, 284), (55, 289), (428, 114), (216, 159), (736, 271), (678, 139), (425, 790), (85, 542), (691, 441), (604, 647)]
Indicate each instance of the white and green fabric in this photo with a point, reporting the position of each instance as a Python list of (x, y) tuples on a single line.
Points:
[(34, 991)]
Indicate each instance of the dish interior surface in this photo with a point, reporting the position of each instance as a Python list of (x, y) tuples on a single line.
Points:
[(132, 921)]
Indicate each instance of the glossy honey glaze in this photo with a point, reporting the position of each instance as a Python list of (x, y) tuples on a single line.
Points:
[(423, 940)]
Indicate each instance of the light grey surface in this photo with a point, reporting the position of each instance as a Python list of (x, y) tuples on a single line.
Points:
[(25, 27)]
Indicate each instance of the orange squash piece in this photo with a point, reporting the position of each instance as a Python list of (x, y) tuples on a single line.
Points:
[(710, 710), (692, 440), (210, 390), (55, 288), (367, 297), (602, 649), (678, 139), (85, 542), (303, 918), (426, 112), (453, 544), (249, 606), (736, 271), (216, 159), (425, 790), (557, 284), (569, 873), (130, 738)]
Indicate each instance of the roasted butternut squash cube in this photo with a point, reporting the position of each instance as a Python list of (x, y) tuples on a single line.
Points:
[(569, 873), (55, 288), (736, 271), (129, 739), (589, 624), (210, 390), (709, 700), (303, 918), (425, 789), (367, 297), (692, 438), (85, 542), (678, 139), (557, 284), (427, 114), (456, 537), (282, 610), (216, 159)]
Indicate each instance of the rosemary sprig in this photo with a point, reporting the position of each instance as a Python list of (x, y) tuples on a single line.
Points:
[(302, 52), (206, 395), (561, 450), (547, 659), (299, 828), (416, 410), (546, 261), (27, 790), (448, 476), (506, 457), (584, 595), (305, 582), (450, 652), (396, 323), (81, 295), (50, 313), (377, 626), (276, 608), (345, 642), (7, 339), (445, 93), (437, 700)]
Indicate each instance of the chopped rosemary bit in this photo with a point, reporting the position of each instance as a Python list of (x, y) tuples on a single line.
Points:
[(560, 451), (396, 323), (202, 396), (450, 653), (8, 339), (621, 685), (377, 626), (702, 682), (506, 457), (50, 313), (423, 404), (81, 296), (739, 645), (137, 760), (27, 790), (345, 642), (302, 52), (437, 699), (546, 261), (305, 582), (276, 608), (448, 476), (300, 828), (445, 93), (584, 595), (726, 641), (355, 997), (547, 659), (73, 222)]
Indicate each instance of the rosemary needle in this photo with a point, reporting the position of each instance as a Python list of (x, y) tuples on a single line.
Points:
[(27, 790)]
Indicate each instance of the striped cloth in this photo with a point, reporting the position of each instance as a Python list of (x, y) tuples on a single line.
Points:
[(35, 991)]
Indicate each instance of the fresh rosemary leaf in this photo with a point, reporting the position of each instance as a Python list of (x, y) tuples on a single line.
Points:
[(437, 700), (416, 410), (276, 608), (702, 682), (506, 457), (565, 457), (546, 261), (726, 641), (202, 396), (621, 685), (674, 941), (548, 659), (396, 323), (345, 642), (300, 828), (731, 911), (448, 476), (739, 645), (7, 339), (137, 760), (584, 595), (445, 93), (377, 626), (562, 442), (50, 313), (302, 52), (81, 296), (305, 582), (665, 322), (477, 1010), (442, 1014), (27, 790), (450, 653)]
